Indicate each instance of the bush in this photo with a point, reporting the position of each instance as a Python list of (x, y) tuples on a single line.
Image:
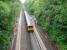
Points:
[(9, 11), (4, 11)]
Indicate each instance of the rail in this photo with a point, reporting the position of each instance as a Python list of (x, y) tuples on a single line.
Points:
[(41, 37), (38, 39)]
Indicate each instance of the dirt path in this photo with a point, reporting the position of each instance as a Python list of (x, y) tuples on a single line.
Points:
[(18, 38)]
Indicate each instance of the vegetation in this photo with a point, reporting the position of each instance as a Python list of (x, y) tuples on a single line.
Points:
[(9, 11), (52, 17)]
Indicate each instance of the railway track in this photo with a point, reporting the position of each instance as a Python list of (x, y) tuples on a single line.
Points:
[(34, 42), (28, 37)]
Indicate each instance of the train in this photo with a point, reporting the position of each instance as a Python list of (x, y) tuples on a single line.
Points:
[(29, 22)]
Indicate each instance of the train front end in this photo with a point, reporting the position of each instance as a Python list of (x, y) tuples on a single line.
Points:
[(29, 22)]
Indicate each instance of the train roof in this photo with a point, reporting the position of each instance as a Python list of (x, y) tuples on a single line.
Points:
[(28, 19)]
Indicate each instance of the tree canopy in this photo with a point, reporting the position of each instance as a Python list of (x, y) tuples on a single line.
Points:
[(9, 11), (52, 17)]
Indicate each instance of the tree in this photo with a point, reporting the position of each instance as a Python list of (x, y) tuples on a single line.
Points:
[(9, 11), (52, 17)]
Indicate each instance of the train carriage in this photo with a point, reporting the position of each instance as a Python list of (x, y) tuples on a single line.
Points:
[(29, 22)]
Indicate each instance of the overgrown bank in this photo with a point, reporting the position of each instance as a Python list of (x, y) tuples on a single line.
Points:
[(52, 17), (9, 11)]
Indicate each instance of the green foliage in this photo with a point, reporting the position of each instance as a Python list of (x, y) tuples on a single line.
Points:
[(52, 17), (5, 37), (4, 11), (9, 11)]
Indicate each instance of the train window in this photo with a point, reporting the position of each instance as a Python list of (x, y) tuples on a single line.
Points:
[(30, 29), (30, 26)]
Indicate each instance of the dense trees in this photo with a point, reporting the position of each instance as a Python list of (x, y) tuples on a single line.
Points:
[(9, 11), (52, 17)]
